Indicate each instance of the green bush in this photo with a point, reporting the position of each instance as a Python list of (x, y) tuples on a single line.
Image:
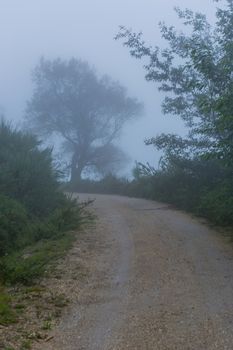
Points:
[(70, 216), (27, 173), (18, 230), (7, 314), (34, 213), (27, 265), (109, 184), (198, 185), (217, 205), (14, 224)]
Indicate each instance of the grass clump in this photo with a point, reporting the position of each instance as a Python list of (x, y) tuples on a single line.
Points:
[(60, 300), (7, 313), (14, 224), (26, 345), (47, 325), (31, 263)]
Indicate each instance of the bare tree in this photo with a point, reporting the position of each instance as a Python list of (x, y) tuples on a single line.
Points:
[(88, 111)]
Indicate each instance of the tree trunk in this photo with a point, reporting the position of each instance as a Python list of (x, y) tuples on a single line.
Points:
[(76, 170)]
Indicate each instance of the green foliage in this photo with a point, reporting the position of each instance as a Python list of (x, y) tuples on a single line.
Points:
[(27, 173), (109, 184), (26, 345), (200, 186), (14, 224), (7, 314), (29, 264), (72, 215), (217, 205), (195, 71), (18, 230), (34, 213), (45, 242), (47, 325)]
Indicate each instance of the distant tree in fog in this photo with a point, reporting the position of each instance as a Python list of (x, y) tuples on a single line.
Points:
[(89, 112)]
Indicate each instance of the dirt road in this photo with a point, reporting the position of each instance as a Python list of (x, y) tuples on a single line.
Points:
[(160, 280)]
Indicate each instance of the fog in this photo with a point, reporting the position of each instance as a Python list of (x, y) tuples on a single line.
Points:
[(85, 29)]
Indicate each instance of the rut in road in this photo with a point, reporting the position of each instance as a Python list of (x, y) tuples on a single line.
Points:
[(163, 281)]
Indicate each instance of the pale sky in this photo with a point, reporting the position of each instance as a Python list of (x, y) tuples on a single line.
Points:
[(85, 29)]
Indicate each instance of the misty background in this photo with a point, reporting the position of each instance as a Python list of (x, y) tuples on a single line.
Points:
[(86, 30)]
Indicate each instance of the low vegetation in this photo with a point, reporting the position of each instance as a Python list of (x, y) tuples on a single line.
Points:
[(35, 214), (37, 221), (110, 184), (7, 313), (198, 186)]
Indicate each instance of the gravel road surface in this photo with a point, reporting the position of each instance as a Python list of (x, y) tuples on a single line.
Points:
[(160, 280)]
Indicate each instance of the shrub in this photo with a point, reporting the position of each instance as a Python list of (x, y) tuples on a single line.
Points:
[(7, 314), (109, 184), (14, 224), (27, 265), (217, 205), (27, 173), (34, 213)]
